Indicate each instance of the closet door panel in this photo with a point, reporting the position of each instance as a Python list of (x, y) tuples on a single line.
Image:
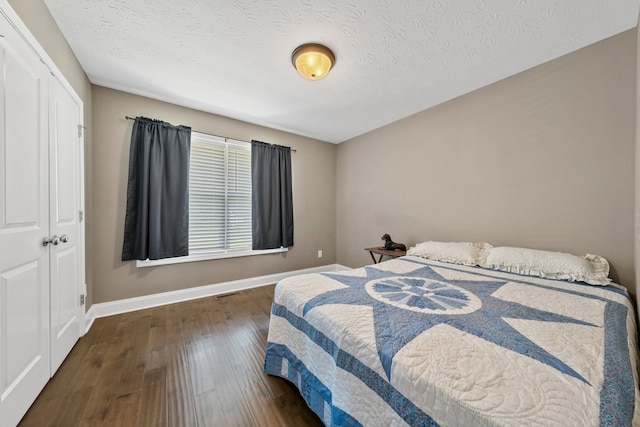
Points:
[(23, 156), (65, 142), (23, 318), (24, 221)]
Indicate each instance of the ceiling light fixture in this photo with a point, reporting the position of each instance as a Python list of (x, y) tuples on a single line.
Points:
[(313, 61)]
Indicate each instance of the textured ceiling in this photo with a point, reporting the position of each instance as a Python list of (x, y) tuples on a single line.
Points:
[(393, 57)]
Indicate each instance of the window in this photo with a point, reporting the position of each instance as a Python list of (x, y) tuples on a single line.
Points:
[(219, 195), (219, 201)]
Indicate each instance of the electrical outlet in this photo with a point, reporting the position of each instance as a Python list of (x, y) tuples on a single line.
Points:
[(320, 253)]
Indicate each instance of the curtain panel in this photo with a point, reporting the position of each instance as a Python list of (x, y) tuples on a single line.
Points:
[(271, 194), (157, 215)]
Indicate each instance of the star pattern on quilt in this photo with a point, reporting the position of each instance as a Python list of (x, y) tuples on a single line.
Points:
[(423, 295), (408, 305)]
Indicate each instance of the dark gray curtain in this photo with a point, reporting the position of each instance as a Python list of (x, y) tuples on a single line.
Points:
[(157, 219), (272, 201)]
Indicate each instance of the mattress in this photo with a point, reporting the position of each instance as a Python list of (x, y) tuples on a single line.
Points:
[(413, 341)]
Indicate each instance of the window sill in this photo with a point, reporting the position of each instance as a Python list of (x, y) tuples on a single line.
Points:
[(204, 256)]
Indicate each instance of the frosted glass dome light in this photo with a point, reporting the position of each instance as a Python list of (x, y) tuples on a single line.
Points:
[(313, 61)]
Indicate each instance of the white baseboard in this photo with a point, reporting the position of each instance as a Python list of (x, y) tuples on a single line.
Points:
[(89, 317), (138, 303)]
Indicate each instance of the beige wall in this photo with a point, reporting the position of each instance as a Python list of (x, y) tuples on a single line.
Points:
[(636, 255), (35, 15), (314, 197), (544, 159)]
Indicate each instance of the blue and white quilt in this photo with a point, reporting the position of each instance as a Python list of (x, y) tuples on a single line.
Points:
[(417, 342)]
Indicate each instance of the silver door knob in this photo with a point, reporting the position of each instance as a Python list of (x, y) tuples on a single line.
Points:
[(64, 238), (53, 240)]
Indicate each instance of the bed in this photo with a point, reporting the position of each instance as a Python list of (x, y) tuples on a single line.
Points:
[(425, 341)]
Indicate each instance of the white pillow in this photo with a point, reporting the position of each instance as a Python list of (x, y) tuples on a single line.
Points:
[(465, 253), (591, 269)]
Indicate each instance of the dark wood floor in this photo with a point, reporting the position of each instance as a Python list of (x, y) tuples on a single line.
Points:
[(196, 363)]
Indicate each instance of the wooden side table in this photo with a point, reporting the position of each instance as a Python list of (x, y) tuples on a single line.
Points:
[(382, 252)]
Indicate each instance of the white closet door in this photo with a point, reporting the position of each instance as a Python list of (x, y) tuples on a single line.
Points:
[(24, 221), (65, 251)]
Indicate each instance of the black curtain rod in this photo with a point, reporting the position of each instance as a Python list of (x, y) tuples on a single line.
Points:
[(207, 133)]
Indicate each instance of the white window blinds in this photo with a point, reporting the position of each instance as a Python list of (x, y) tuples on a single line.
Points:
[(219, 194)]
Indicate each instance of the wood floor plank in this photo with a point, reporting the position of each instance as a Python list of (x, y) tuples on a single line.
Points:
[(101, 401), (156, 355), (153, 408), (133, 364), (180, 399), (125, 407), (209, 410), (70, 415), (262, 409), (235, 408), (197, 363)]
